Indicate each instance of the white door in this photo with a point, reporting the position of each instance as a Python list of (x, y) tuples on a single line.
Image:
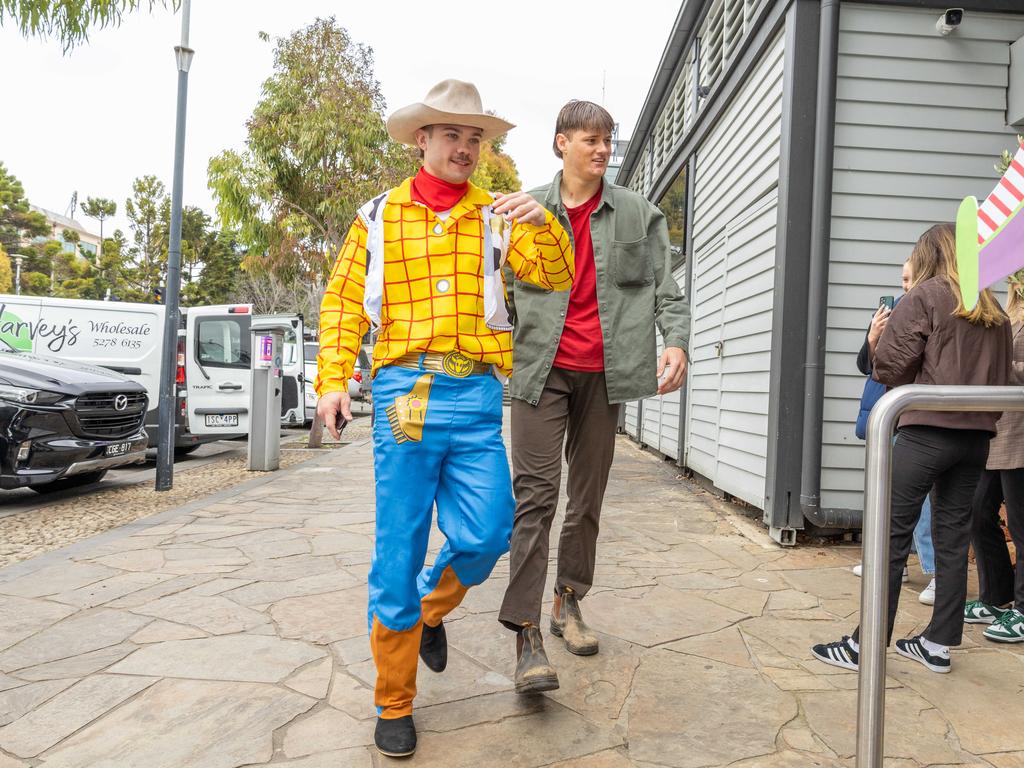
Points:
[(218, 361), (293, 374), (704, 377)]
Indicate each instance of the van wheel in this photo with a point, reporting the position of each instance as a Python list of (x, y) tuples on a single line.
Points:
[(186, 450), (75, 481)]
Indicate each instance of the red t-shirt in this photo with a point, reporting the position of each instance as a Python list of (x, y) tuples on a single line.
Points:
[(582, 346)]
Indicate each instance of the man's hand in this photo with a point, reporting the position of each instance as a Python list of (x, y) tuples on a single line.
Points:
[(520, 206), (672, 366), (329, 406)]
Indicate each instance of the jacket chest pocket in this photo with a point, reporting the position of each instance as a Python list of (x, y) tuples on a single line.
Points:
[(631, 263)]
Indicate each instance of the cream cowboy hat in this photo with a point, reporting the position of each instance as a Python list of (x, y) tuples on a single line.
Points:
[(451, 102)]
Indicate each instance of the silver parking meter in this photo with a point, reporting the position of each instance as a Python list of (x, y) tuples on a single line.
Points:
[(265, 394)]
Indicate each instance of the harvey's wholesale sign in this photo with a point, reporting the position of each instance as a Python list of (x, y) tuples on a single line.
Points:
[(84, 332)]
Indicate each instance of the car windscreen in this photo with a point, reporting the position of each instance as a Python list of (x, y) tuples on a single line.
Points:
[(223, 342)]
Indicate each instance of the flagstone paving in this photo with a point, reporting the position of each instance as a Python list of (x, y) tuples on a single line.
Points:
[(232, 632)]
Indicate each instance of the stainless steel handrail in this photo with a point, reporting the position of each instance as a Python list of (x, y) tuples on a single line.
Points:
[(874, 595)]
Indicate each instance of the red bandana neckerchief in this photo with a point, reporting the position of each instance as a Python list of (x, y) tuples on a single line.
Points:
[(437, 194)]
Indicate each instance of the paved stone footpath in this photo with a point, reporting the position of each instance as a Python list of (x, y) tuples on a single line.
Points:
[(232, 632)]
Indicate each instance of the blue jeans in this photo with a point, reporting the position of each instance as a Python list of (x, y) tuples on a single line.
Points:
[(923, 539)]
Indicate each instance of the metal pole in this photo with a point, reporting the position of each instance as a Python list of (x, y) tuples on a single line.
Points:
[(874, 596), (17, 274), (165, 425)]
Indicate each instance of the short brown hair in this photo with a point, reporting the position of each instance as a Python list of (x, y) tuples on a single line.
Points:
[(581, 116)]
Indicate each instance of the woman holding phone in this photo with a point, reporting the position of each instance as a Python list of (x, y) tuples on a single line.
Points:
[(873, 390), (932, 338)]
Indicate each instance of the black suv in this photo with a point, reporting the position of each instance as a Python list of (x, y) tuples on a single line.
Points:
[(64, 424)]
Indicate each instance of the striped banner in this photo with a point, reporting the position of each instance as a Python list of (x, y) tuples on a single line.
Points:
[(1003, 200)]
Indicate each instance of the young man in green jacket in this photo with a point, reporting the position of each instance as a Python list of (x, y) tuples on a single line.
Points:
[(578, 357)]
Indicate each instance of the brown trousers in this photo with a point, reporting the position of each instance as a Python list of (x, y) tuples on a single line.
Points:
[(573, 409)]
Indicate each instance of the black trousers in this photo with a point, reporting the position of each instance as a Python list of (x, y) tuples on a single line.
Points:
[(997, 582), (952, 461)]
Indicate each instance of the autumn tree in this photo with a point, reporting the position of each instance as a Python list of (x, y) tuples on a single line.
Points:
[(317, 148), (496, 171)]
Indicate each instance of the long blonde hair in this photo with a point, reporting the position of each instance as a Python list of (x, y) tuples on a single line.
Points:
[(934, 255), (1015, 297)]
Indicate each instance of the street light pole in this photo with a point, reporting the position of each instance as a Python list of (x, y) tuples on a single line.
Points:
[(17, 273), (165, 425)]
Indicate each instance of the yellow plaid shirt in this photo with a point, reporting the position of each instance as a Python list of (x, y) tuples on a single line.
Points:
[(433, 285)]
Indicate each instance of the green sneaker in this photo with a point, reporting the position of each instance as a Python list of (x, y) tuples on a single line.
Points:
[(977, 612), (1008, 628)]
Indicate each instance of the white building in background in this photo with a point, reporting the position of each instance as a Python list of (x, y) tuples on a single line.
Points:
[(88, 244), (788, 232)]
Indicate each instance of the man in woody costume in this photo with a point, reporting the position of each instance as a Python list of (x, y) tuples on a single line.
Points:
[(422, 263)]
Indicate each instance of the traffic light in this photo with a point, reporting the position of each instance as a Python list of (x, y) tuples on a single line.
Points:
[(158, 294)]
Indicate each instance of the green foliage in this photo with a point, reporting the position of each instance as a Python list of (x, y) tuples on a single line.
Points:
[(18, 223), (35, 283), (1007, 156), (148, 211), (129, 269), (316, 150), (69, 21), (673, 205), (99, 208), (6, 273)]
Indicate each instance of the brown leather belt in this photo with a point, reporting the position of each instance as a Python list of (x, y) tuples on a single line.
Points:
[(451, 363)]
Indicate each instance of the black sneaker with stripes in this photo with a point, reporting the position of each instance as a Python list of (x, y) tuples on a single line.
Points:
[(838, 654), (912, 648)]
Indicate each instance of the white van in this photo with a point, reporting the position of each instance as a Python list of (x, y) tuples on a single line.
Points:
[(218, 359)]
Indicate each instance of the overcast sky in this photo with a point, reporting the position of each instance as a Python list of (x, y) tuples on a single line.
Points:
[(95, 119)]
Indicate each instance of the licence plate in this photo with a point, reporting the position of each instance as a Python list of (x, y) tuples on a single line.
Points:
[(222, 420), (118, 449)]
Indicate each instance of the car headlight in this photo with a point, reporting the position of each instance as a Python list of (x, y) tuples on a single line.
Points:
[(29, 396)]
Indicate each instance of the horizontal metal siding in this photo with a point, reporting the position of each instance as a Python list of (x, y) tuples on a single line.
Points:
[(661, 413), (920, 121), (735, 208), (633, 420)]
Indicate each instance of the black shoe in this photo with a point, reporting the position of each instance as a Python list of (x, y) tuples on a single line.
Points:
[(838, 654), (912, 648), (534, 672), (434, 647), (395, 738)]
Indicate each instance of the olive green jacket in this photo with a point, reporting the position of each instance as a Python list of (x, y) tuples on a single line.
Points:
[(635, 289)]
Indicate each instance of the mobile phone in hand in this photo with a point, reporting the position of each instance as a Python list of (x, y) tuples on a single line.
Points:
[(887, 301)]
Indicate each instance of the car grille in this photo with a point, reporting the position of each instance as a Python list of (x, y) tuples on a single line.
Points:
[(97, 416)]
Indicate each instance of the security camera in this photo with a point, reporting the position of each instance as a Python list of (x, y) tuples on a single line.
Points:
[(949, 21)]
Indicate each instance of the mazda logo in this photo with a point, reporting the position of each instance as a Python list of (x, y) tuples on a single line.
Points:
[(120, 402)]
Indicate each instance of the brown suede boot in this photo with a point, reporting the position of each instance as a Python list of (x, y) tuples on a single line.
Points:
[(534, 672), (567, 623)]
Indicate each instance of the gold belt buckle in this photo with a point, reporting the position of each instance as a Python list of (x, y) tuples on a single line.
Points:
[(457, 364)]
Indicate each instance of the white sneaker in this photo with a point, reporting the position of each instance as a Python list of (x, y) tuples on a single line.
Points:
[(858, 570), (928, 595)]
